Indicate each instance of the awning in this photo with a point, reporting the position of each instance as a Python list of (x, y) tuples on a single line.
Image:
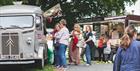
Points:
[(55, 10)]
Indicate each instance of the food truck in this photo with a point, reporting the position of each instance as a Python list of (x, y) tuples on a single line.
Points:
[(112, 27), (119, 23), (21, 35)]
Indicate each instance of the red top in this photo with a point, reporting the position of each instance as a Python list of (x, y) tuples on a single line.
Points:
[(75, 41), (100, 43)]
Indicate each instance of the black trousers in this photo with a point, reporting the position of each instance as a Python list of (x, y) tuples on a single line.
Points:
[(113, 51), (100, 51), (106, 57)]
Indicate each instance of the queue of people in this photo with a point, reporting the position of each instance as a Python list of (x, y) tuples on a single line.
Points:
[(81, 43), (104, 49), (61, 41)]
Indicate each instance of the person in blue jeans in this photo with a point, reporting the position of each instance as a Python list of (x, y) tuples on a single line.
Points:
[(56, 44), (62, 56), (128, 54), (89, 44), (87, 53), (63, 41)]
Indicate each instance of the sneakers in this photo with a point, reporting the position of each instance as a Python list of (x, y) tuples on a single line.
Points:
[(109, 61), (88, 64), (57, 66), (71, 64), (98, 62), (103, 62), (62, 69), (106, 62)]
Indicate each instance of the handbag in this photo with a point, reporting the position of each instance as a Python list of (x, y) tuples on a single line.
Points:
[(80, 43), (107, 50)]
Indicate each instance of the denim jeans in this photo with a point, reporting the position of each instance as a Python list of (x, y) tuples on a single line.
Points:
[(56, 58), (88, 54), (62, 55)]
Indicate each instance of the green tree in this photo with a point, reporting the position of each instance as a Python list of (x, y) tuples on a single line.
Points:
[(92, 8), (80, 8), (5, 2)]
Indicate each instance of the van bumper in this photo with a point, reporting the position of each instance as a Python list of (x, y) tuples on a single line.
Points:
[(2, 62)]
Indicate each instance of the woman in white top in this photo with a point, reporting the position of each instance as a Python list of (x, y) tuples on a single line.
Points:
[(64, 41)]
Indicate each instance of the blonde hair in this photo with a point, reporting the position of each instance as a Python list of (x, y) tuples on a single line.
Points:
[(78, 28), (128, 36), (63, 21), (57, 26)]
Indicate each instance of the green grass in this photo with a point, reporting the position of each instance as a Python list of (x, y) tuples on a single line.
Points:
[(47, 68)]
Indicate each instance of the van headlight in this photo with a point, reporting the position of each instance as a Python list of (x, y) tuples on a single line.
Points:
[(29, 41)]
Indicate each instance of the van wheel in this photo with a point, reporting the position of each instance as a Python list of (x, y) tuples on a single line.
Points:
[(45, 55), (41, 63)]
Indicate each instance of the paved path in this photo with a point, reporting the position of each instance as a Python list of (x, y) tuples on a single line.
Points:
[(93, 67)]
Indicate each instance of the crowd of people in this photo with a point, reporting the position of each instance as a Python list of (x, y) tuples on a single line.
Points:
[(83, 43), (78, 43)]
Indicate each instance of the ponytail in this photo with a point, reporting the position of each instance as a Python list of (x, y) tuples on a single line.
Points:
[(128, 36), (125, 41)]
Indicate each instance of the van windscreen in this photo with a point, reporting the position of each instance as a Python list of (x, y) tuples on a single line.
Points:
[(19, 21)]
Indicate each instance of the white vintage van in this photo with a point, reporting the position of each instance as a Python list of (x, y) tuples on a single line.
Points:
[(21, 32)]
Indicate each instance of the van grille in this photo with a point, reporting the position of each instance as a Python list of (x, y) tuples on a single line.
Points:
[(10, 44)]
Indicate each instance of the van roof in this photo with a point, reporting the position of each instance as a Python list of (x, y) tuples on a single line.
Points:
[(20, 9)]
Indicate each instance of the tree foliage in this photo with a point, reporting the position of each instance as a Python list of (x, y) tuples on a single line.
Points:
[(80, 8)]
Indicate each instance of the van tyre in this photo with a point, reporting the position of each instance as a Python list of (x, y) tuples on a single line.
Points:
[(45, 54), (42, 64), (42, 61), (39, 63)]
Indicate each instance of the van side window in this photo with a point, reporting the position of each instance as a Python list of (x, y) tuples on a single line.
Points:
[(38, 23)]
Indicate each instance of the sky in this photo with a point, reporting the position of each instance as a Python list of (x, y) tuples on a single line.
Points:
[(135, 7)]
